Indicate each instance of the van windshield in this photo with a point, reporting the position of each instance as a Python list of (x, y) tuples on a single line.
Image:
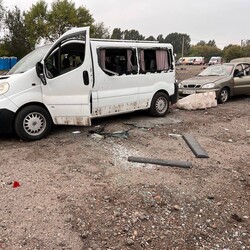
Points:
[(30, 60)]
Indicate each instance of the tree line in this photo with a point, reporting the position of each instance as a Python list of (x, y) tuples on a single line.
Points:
[(23, 31)]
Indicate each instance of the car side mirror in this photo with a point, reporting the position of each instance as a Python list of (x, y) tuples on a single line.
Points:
[(39, 72)]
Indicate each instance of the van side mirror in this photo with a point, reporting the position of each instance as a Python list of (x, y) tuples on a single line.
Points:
[(39, 72)]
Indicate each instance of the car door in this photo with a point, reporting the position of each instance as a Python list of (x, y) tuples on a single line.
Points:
[(242, 79), (68, 85)]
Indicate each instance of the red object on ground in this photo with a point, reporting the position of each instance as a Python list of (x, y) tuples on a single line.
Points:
[(16, 184)]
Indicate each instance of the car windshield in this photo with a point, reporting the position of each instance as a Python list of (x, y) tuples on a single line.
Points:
[(30, 60), (217, 70)]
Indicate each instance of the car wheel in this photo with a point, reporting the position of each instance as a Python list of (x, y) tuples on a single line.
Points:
[(159, 105), (32, 123), (224, 95)]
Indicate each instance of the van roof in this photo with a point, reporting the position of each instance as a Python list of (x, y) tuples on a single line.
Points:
[(126, 43)]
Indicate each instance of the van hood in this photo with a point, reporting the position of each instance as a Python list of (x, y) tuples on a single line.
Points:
[(203, 79), (5, 78)]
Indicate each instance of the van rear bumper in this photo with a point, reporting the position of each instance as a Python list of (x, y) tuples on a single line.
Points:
[(6, 121), (175, 96)]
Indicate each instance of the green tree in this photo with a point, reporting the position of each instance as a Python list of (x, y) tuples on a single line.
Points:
[(206, 51), (176, 39), (232, 52), (117, 34), (150, 38), (64, 15), (211, 43), (201, 43), (36, 22), (15, 41), (99, 31), (133, 35), (84, 18), (160, 38), (61, 17), (246, 50)]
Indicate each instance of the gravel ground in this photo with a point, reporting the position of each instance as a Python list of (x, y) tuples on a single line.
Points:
[(77, 190)]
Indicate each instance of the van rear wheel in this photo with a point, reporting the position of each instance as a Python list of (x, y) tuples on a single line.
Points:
[(159, 105), (32, 123)]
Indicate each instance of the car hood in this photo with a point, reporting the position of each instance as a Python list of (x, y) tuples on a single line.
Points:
[(203, 79)]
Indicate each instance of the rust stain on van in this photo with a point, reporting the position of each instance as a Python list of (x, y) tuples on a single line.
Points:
[(73, 120), (119, 108)]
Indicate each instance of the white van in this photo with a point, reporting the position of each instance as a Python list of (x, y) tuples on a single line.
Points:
[(215, 60), (77, 79)]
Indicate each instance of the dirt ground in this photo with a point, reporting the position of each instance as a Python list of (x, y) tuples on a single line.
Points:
[(78, 190)]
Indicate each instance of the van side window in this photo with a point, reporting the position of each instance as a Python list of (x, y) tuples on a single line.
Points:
[(118, 61), (64, 58), (154, 60)]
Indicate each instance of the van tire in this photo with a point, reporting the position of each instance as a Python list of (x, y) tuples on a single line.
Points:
[(159, 105), (32, 123)]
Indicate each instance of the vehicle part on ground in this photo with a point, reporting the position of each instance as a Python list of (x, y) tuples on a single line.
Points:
[(224, 95), (170, 163), (159, 105), (195, 146), (32, 123)]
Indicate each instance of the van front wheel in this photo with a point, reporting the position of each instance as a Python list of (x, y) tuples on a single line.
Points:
[(159, 105), (32, 123)]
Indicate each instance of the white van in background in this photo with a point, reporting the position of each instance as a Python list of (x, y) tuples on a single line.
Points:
[(198, 60), (77, 79), (215, 60)]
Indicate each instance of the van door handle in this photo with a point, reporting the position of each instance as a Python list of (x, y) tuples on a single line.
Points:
[(85, 75)]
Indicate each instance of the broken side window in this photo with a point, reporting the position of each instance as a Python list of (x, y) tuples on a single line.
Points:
[(118, 61), (154, 60)]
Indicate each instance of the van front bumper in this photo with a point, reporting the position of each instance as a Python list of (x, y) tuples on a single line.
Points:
[(6, 121), (175, 96)]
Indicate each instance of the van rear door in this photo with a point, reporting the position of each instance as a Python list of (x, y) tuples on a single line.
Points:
[(69, 78)]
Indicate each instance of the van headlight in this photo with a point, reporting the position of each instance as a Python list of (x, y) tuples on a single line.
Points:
[(4, 87), (208, 85)]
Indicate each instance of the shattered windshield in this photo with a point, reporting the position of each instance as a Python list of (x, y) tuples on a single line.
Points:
[(218, 70), (30, 60)]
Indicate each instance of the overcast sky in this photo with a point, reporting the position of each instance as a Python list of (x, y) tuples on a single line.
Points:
[(225, 21)]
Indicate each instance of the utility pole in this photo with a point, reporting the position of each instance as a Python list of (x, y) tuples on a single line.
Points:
[(182, 53)]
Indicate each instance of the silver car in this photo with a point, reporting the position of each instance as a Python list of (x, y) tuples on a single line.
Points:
[(228, 79)]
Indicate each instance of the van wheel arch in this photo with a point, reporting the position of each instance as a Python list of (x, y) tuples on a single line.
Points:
[(32, 122), (159, 104)]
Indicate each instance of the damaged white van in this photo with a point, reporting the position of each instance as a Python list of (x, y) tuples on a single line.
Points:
[(77, 79)]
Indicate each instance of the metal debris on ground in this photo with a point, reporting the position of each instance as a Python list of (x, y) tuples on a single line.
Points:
[(145, 125), (97, 129), (195, 146), (119, 134), (170, 163), (96, 136)]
